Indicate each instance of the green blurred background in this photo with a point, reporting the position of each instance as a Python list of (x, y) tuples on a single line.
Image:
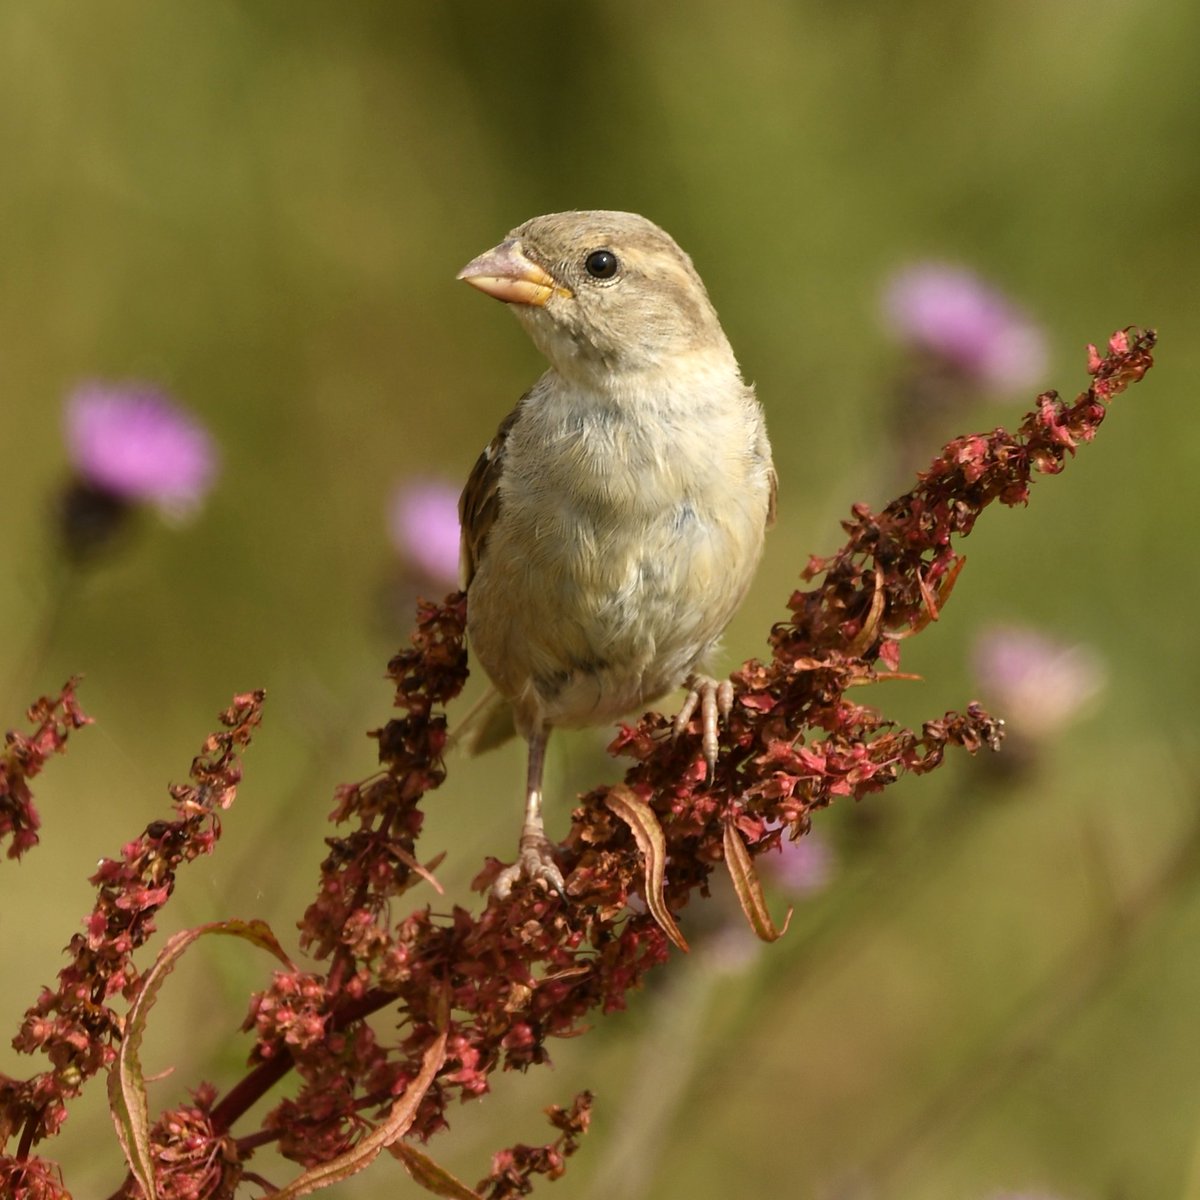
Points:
[(262, 206)]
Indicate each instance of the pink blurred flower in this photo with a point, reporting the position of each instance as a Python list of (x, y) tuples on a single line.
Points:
[(951, 313), (1036, 683), (804, 866), (1023, 1196), (424, 528), (131, 442), (731, 949)]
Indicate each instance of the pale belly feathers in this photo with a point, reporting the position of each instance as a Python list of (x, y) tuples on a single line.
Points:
[(618, 560)]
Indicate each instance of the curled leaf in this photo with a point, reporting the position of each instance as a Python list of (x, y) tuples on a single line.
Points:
[(865, 638), (127, 1100), (748, 887), (395, 1126), (432, 1177), (933, 597), (425, 872), (886, 677), (648, 834)]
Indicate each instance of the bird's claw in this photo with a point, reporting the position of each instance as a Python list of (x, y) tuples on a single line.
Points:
[(715, 699), (535, 862)]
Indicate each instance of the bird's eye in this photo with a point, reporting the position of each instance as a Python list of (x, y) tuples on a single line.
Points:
[(601, 264)]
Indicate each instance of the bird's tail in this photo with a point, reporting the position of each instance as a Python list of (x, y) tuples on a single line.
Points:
[(488, 724)]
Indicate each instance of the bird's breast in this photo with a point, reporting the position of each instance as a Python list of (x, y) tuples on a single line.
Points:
[(625, 543)]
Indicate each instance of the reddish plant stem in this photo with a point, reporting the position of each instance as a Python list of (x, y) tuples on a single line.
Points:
[(245, 1094)]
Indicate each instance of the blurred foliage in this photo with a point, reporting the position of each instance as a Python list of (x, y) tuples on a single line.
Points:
[(261, 206)]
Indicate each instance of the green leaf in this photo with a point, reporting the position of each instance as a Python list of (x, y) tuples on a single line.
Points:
[(127, 1100), (648, 834)]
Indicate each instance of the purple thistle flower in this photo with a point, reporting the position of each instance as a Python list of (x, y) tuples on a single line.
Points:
[(132, 443), (1038, 684), (424, 528), (952, 314)]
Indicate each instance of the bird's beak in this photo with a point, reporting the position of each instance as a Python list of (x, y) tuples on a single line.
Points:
[(504, 272)]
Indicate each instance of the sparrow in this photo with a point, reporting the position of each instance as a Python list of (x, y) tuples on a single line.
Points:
[(613, 525)]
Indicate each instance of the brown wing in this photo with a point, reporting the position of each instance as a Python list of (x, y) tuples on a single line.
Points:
[(479, 504), (772, 498)]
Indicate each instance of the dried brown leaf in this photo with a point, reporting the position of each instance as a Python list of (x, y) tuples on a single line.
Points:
[(395, 1126), (749, 888), (430, 1175), (126, 1081), (648, 834)]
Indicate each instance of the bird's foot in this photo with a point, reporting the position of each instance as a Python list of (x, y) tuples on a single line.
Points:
[(535, 862), (715, 700)]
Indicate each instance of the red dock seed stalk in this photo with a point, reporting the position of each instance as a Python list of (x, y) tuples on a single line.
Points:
[(74, 1025), (23, 757), (513, 1169), (499, 984)]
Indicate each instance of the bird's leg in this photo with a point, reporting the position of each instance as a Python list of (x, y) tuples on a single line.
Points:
[(715, 698), (535, 857)]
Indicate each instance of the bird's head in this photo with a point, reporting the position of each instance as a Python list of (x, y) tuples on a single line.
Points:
[(602, 294)]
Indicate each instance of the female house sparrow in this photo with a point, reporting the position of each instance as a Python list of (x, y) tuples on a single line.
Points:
[(612, 527)]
